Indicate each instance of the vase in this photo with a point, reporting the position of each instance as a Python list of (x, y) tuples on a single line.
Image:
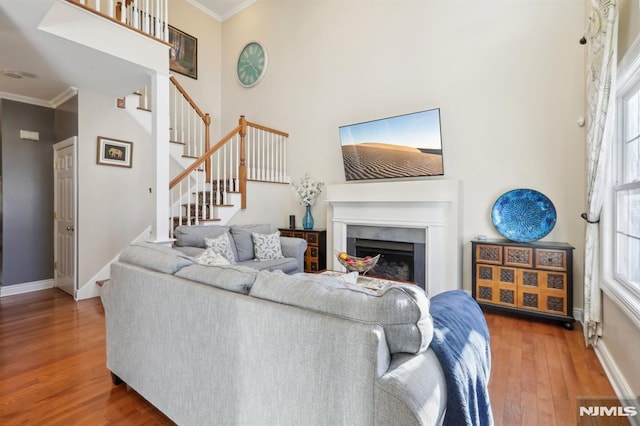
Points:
[(307, 219)]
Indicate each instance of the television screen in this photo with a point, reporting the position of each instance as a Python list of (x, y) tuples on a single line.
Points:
[(407, 145)]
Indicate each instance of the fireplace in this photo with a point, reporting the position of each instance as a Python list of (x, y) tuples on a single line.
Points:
[(421, 217), (401, 250)]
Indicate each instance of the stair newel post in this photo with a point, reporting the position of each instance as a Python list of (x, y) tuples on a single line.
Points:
[(242, 169), (207, 145)]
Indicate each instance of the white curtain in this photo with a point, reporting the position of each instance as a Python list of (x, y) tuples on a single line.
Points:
[(602, 39)]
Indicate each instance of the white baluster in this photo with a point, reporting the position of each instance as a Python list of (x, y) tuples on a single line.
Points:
[(135, 14), (182, 118), (157, 16), (284, 160), (165, 19), (146, 17)]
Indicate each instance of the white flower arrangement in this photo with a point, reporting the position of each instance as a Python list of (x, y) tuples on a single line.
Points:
[(308, 190)]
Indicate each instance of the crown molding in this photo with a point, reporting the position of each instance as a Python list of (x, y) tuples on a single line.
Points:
[(218, 17), (205, 10), (238, 9), (64, 97), (53, 103), (25, 99)]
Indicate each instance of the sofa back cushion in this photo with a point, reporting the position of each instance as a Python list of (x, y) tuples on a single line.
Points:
[(193, 236), (242, 238), (236, 278), (402, 309), (155, 257)]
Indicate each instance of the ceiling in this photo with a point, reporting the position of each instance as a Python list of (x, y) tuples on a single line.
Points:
[(33, 67)]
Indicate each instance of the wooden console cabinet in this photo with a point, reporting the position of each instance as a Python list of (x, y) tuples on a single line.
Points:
[(532, 279), (315, 258)]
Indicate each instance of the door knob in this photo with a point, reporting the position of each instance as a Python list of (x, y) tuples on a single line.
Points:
[(70, 228)]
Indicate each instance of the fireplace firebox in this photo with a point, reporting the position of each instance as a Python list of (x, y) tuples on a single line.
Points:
[(396, 259), (401, 250)]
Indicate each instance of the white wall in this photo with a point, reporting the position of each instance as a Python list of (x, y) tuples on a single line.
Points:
[(508, 77), (114, 203), (205, 90)]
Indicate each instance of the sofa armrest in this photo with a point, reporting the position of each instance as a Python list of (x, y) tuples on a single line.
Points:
[(413, 391), (294, 247)]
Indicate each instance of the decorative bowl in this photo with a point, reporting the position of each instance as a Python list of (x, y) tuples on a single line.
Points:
[(523, 215), (357, 264)]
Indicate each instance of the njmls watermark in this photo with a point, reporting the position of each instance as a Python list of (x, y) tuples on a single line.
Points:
[(599, 411)]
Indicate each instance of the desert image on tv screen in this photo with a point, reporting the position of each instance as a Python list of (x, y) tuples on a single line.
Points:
[(407, 145)]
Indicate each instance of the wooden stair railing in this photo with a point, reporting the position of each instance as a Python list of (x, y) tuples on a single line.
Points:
[(249, 152), (189, 125)]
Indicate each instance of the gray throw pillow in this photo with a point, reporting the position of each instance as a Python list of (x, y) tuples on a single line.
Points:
[(222, 245), (267, 246)]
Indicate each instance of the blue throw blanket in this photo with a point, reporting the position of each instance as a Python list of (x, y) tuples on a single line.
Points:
[(461, 343)]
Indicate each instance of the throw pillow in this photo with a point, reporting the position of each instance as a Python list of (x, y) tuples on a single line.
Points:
[(210, 257), (267, 246), (221, 245)]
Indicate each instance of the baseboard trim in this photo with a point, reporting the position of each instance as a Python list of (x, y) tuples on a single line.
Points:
[(619, 383), (12, 290)]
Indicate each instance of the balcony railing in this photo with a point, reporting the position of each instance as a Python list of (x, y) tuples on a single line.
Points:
[(150, 17)]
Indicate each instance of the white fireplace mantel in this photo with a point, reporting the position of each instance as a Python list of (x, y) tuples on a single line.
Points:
[(433, 206)]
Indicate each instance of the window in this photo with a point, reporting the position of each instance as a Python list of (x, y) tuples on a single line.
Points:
[(626, 265)]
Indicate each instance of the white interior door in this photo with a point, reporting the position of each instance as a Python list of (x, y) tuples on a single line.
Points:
[(64, 215)]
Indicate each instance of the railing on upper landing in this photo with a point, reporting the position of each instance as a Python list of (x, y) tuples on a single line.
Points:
[(150, 17)]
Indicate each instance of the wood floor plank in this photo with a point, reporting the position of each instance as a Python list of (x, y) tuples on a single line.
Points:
[(53, 368)]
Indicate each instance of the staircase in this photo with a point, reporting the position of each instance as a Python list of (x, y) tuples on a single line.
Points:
[(208, 184), (209, 181), (213, 188)]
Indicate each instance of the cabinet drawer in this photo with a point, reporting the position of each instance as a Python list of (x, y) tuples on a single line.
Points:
[(518, 256), (312, 252), (541, 301), (312, 238), (551, 259), (496, 295), (487, 253), (311, 266)]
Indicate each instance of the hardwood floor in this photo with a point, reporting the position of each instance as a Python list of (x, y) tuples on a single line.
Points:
[(538, 372), (53, 372), (53, 365)]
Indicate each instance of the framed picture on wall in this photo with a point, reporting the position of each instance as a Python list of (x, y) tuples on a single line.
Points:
[(183, 56), (114, 152)]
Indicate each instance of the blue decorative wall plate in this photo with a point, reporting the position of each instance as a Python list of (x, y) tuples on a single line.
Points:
[(523, 215)]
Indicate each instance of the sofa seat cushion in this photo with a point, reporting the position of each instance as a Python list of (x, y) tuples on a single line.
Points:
[(401, 309), (210, 257), (288, 265), (236, 278), (155, 257)]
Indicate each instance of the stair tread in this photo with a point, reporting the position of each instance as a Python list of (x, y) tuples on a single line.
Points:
[(179, 143)]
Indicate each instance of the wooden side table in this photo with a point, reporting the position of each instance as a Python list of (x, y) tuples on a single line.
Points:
[(315, 258), (532, 279)]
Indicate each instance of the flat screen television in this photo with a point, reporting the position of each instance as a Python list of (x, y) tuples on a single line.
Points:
[(408, 145)]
